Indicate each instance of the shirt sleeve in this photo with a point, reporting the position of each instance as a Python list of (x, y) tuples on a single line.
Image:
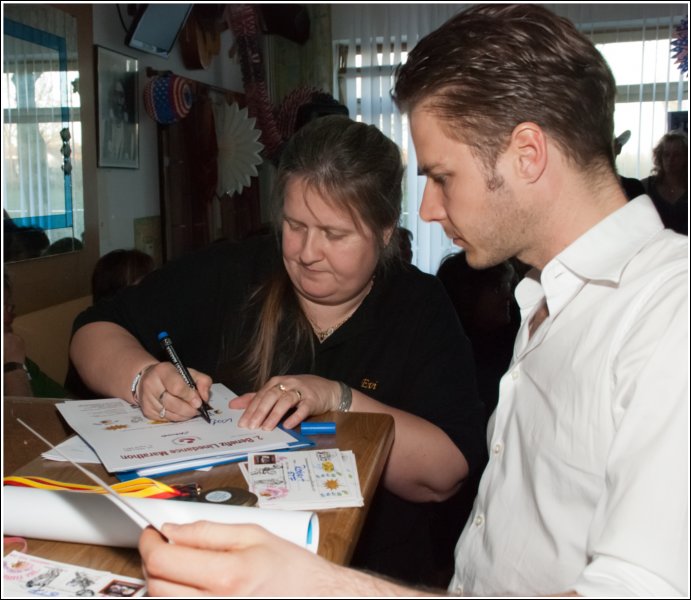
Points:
[(638, 542)]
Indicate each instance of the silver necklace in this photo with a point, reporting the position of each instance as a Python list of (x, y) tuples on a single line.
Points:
[(323, 334)]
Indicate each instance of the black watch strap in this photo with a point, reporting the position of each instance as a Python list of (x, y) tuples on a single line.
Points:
[(14, 366)]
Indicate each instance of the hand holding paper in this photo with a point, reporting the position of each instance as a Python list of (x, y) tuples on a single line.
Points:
[(223, 560)]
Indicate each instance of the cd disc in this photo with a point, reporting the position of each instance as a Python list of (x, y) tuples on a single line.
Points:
[(234, 496), (231, 496)]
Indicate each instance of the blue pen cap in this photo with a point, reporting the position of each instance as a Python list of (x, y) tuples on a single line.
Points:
[(324, 427), (163, 334)]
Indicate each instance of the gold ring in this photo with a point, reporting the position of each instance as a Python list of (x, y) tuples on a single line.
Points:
[(299, 394), (281, 387)]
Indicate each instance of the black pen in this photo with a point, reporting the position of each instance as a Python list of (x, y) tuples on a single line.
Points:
[(167, 344)]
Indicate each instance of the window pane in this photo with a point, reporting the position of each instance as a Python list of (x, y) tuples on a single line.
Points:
[(639, 62)]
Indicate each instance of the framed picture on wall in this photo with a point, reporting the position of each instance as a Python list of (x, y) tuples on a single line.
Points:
[(117, 109)]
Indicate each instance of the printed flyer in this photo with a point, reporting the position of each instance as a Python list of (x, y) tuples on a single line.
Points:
[(125, 440)]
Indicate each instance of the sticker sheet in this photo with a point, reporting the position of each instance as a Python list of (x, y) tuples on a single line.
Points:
[(29, 576), (306, 480)]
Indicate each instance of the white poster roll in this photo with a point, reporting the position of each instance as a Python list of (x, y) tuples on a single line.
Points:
[(94, 519)]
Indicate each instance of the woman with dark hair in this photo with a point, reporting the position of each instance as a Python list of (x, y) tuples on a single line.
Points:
[(327, 319), (668, 184)]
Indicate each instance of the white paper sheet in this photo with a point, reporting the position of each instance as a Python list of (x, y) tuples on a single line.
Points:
[(74, 449), (125, 440), (94, 519)]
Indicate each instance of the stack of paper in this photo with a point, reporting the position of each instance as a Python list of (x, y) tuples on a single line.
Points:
[(307, 480), (127, 442)]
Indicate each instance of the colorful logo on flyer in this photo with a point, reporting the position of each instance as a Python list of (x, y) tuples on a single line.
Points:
[(186, 441)]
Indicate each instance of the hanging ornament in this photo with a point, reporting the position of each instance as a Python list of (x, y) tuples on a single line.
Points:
[(238, 148), (680, 45), (243, 21), (167, 98)]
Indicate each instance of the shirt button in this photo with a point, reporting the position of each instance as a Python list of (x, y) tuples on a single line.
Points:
[(479, 521), (515, 374), (497, 448)]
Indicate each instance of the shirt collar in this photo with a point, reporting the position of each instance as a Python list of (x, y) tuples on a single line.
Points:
[(602, 252)]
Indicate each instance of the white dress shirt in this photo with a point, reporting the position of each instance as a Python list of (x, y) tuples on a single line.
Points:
[(586, 488)]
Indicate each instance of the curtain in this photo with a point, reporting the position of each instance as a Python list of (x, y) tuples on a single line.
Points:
[(370, 40), (41, 129)]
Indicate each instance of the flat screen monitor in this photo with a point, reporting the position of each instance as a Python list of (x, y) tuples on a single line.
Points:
[(156, 28)]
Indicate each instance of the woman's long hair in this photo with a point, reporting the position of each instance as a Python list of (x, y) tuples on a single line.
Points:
[(354, 167)]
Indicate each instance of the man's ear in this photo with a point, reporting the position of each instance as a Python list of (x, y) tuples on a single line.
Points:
[(528, 147)]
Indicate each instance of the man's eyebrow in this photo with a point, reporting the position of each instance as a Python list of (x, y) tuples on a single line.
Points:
[(426, 170), (423, 170)]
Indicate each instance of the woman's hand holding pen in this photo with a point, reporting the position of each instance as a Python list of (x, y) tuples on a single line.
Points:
[(307, 394), (163, 395)]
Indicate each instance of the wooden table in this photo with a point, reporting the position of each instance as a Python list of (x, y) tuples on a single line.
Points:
[(368, 435)]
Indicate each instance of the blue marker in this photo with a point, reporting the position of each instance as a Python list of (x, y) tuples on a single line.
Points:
[(323, 427), (167, 344)]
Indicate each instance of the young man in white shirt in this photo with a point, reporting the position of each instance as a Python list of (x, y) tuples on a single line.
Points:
[(586, 490)]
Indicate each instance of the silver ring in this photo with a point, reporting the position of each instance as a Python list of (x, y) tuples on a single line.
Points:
[(281, 387), (162, 412)]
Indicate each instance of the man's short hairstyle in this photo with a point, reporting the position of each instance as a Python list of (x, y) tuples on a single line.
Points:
[(492, 67)]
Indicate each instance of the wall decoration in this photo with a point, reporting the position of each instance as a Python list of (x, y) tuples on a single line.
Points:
[(117, 108), (238, 148), (243, 21), (168, 98), (680, 45)]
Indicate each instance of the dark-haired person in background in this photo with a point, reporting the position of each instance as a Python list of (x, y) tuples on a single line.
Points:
[(115, 270), (119, 269), (668, 186), (484, 302), (586, 488)]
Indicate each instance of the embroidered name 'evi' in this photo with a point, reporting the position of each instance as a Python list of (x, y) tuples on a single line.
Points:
[(366, 384)]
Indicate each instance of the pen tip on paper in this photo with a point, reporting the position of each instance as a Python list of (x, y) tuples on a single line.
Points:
[(204, 412)]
